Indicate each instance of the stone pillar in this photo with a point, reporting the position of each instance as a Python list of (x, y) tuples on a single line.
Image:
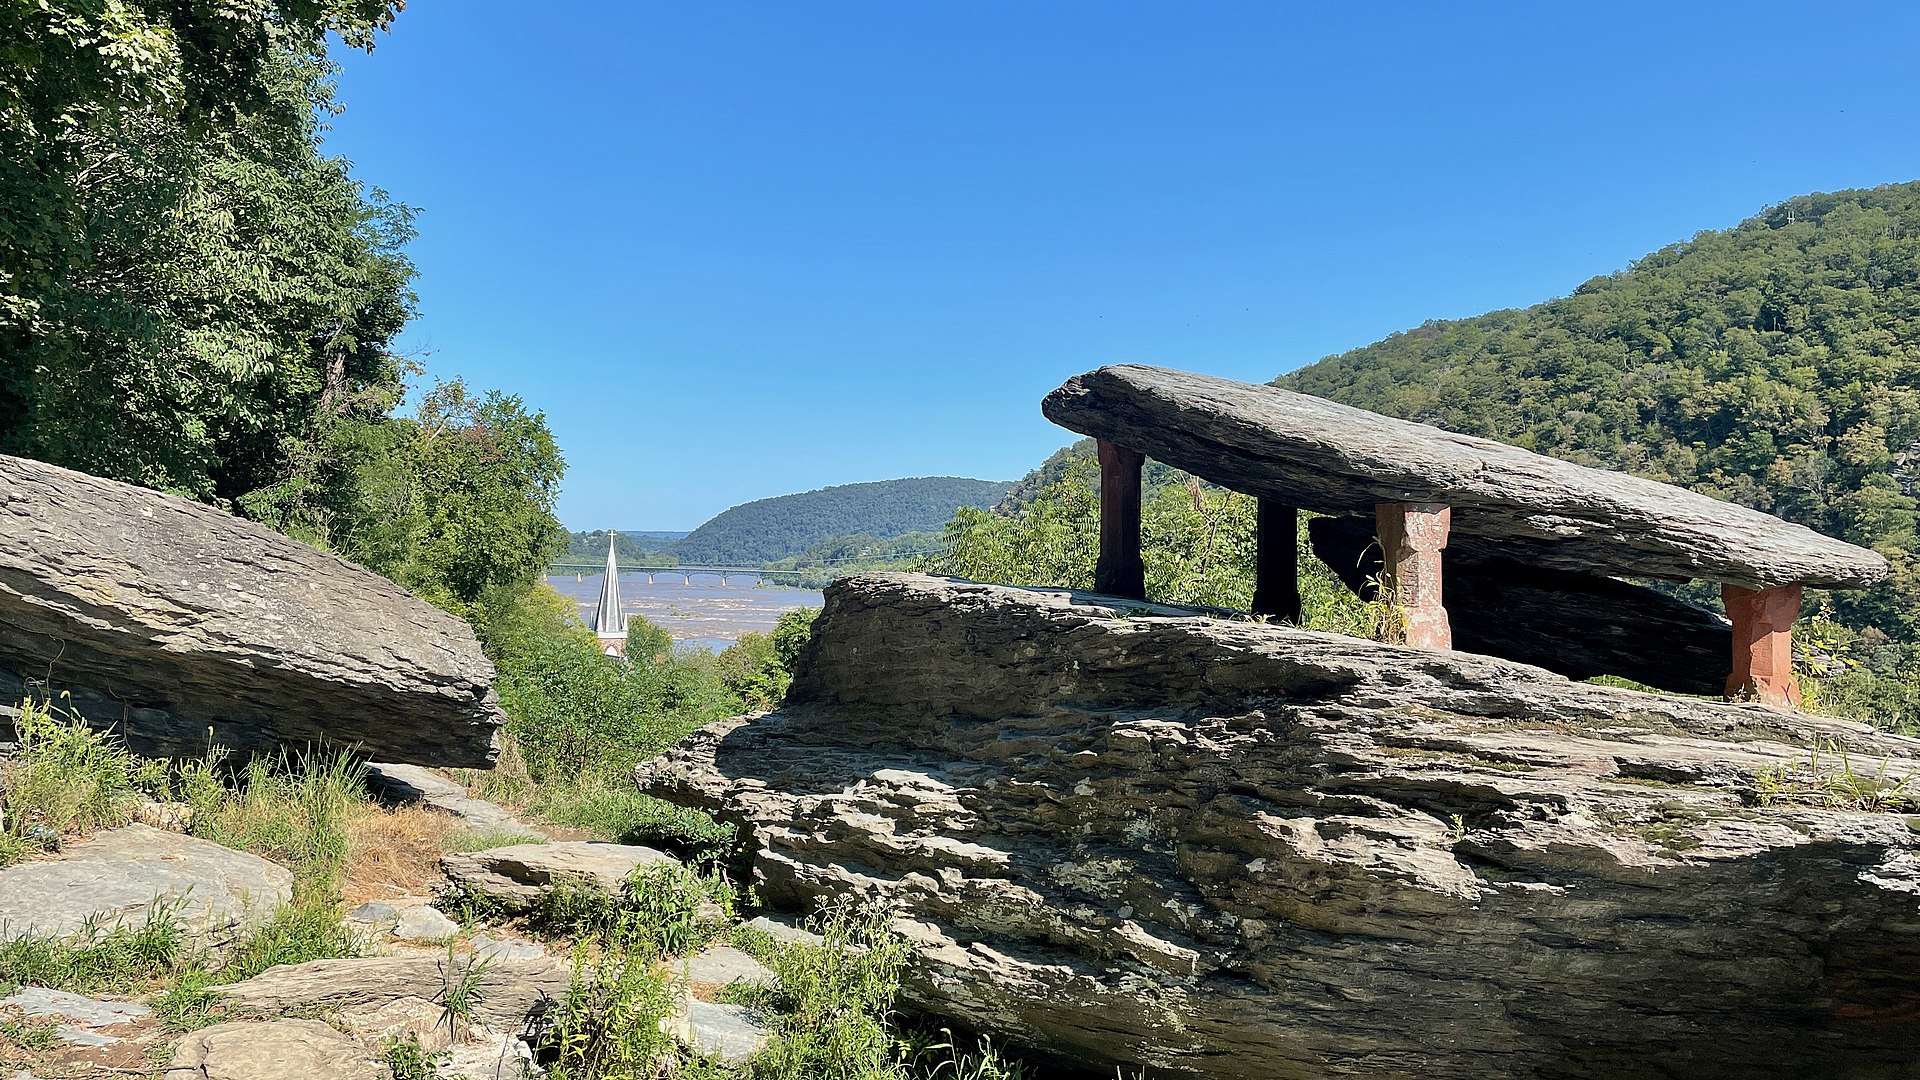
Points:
[(1763, 644), (1276, 561), (1120, 571), (1412, 536)]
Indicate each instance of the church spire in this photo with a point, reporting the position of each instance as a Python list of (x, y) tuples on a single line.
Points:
[(609, 624)]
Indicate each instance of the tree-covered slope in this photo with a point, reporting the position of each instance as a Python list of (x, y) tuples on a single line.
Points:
[(1776, 364), (768, 529)]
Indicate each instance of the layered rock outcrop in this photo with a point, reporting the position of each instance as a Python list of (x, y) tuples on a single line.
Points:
[(167, 619), (1128, 835)]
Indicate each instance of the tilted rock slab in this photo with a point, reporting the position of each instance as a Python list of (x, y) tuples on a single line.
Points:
[(1244, 851), (1317, 455), (167, 618), (124, 877)]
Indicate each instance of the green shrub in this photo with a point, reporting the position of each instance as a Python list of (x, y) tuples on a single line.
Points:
[(574, 710), (291, 809), (103, 957), (67, 778), (408, 1060), (837, 1000)]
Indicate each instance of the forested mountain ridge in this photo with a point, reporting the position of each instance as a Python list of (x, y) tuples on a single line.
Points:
[(1776, 364), (768, 529)]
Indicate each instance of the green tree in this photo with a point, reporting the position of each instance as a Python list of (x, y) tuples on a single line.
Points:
[(464, 509), (191, 293)]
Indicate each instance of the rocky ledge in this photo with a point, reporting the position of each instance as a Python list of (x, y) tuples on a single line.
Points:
[(1128, 835)]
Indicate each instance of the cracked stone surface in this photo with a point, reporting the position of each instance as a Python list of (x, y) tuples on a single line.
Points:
[(272, 1050), (507, 991), (1129, 835)]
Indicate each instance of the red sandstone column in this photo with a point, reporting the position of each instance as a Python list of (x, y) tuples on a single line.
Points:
[(1120, 571), (1412, 536), (1763, 644)]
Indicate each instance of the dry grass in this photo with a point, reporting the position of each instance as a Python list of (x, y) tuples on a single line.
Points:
[(394, 853)]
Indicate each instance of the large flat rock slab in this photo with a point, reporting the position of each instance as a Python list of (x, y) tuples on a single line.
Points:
[(507, 991), (1316, 454), (1136, 837), (118, 875), (166, 618)]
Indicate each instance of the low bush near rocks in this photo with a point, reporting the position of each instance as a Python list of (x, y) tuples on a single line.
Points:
[(65, 779)]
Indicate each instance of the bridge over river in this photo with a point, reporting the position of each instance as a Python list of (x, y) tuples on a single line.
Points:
[(580, 570)]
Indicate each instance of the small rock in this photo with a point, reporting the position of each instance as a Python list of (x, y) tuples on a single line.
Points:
[(489, 1055), (383, 1023), (273, 1050), (173, 816), (423, 923), (489, 948), (731, 1033), (724, 965), (86, 1015), (375, 914), (115, 876), (784, 930), (517, 875), (413, 784)]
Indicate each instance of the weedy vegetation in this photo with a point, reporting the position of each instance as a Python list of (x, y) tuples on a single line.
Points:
[(1829, 779)]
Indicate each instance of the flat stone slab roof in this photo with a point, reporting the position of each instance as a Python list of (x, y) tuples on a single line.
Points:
[(1318, 455)]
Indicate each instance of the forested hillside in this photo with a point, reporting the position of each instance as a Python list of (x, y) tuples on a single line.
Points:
[(1776, 364), (634, 548), (769, 529)]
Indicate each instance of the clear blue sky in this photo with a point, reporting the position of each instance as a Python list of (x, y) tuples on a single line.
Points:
[(742, 249)]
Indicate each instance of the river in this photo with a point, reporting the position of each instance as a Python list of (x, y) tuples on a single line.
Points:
[(705, 614)]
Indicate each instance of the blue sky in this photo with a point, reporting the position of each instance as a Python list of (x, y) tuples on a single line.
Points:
[(743, 249)]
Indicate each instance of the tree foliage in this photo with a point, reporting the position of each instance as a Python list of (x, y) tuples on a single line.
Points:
[(190, 291), (1775, 364), (1196, 542)]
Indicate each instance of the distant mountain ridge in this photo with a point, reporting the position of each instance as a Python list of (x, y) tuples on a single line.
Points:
[(766, 530), (632, 547), (858, 517)]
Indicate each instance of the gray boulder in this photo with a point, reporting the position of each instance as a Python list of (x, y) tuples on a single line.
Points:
[(166, 618), (517, 876), (1248, 851), (124, 876)]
